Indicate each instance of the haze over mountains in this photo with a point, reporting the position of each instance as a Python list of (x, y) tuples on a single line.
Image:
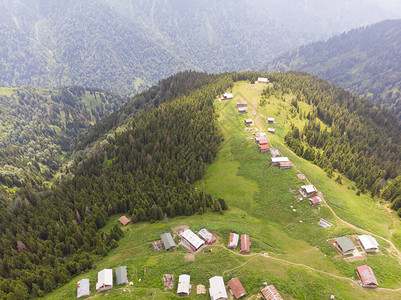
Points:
[(126, 46), (365, 61)]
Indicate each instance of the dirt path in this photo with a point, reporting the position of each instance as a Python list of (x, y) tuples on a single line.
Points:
[(265, 255)]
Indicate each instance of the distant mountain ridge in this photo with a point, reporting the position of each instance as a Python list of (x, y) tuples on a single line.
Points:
[(366, 61), (126, 46)]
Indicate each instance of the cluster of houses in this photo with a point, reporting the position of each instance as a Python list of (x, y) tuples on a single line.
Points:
[(218, 291), (261, 140), (189, 240), (194, 242), (282, 162), (217, 288), (271, 121), (346, 246), (367, 243), (310, 191), (245, 242), (104, 281), (242, 107)]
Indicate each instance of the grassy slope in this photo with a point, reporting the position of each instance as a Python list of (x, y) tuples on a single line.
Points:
[(259, 200)]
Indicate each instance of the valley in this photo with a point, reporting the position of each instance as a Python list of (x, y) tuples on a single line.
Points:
[(293, 256)]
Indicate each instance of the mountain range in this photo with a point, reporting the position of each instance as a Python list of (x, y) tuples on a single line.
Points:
[(365, 60), (126, 45)]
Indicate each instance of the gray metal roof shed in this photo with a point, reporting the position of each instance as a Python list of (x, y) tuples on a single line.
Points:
[(168, 241), (345, 244), (121, 275)]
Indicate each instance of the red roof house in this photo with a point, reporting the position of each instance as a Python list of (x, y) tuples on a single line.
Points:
[(263, 148), (236, 287), (245, 244), (124, 220), (315, 200), (207, 236), (286, 165), (263, 141), (270, 293), (366, 276)]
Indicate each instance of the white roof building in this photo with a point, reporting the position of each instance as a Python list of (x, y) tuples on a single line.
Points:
[(192, 238), (233, 240), (228, 96), (310, 188), (83, 288), (279, 159), (207, 236), (368, 243), (217, 288), (104, 280), (270, 119), (262, 80), (184, 285)]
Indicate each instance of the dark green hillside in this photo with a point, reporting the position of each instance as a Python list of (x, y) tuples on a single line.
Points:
[(365, 61), (180, 84), (37, 126), (361, 141), (146, 170), (392, 193)]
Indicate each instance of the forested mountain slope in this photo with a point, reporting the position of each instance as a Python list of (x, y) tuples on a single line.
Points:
[(38, 126), (145, 168), (361, 141), (127, 45), (365, 61)]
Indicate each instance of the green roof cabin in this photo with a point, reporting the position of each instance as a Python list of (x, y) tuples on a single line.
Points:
[(345, 245), (168, 241)]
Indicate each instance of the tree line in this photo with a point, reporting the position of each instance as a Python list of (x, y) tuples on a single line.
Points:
[(359, 140)]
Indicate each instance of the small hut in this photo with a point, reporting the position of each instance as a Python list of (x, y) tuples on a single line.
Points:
[(121, 275), (83, 288), (124, 220)]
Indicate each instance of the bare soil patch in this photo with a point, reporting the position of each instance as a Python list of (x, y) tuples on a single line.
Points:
[(189, 257)]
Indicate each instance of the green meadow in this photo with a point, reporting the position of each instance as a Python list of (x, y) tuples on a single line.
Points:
[(288, 248)]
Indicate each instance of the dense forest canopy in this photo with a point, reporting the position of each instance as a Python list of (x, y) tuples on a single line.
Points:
[(38, 126), (127, 45), (365, 61)]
